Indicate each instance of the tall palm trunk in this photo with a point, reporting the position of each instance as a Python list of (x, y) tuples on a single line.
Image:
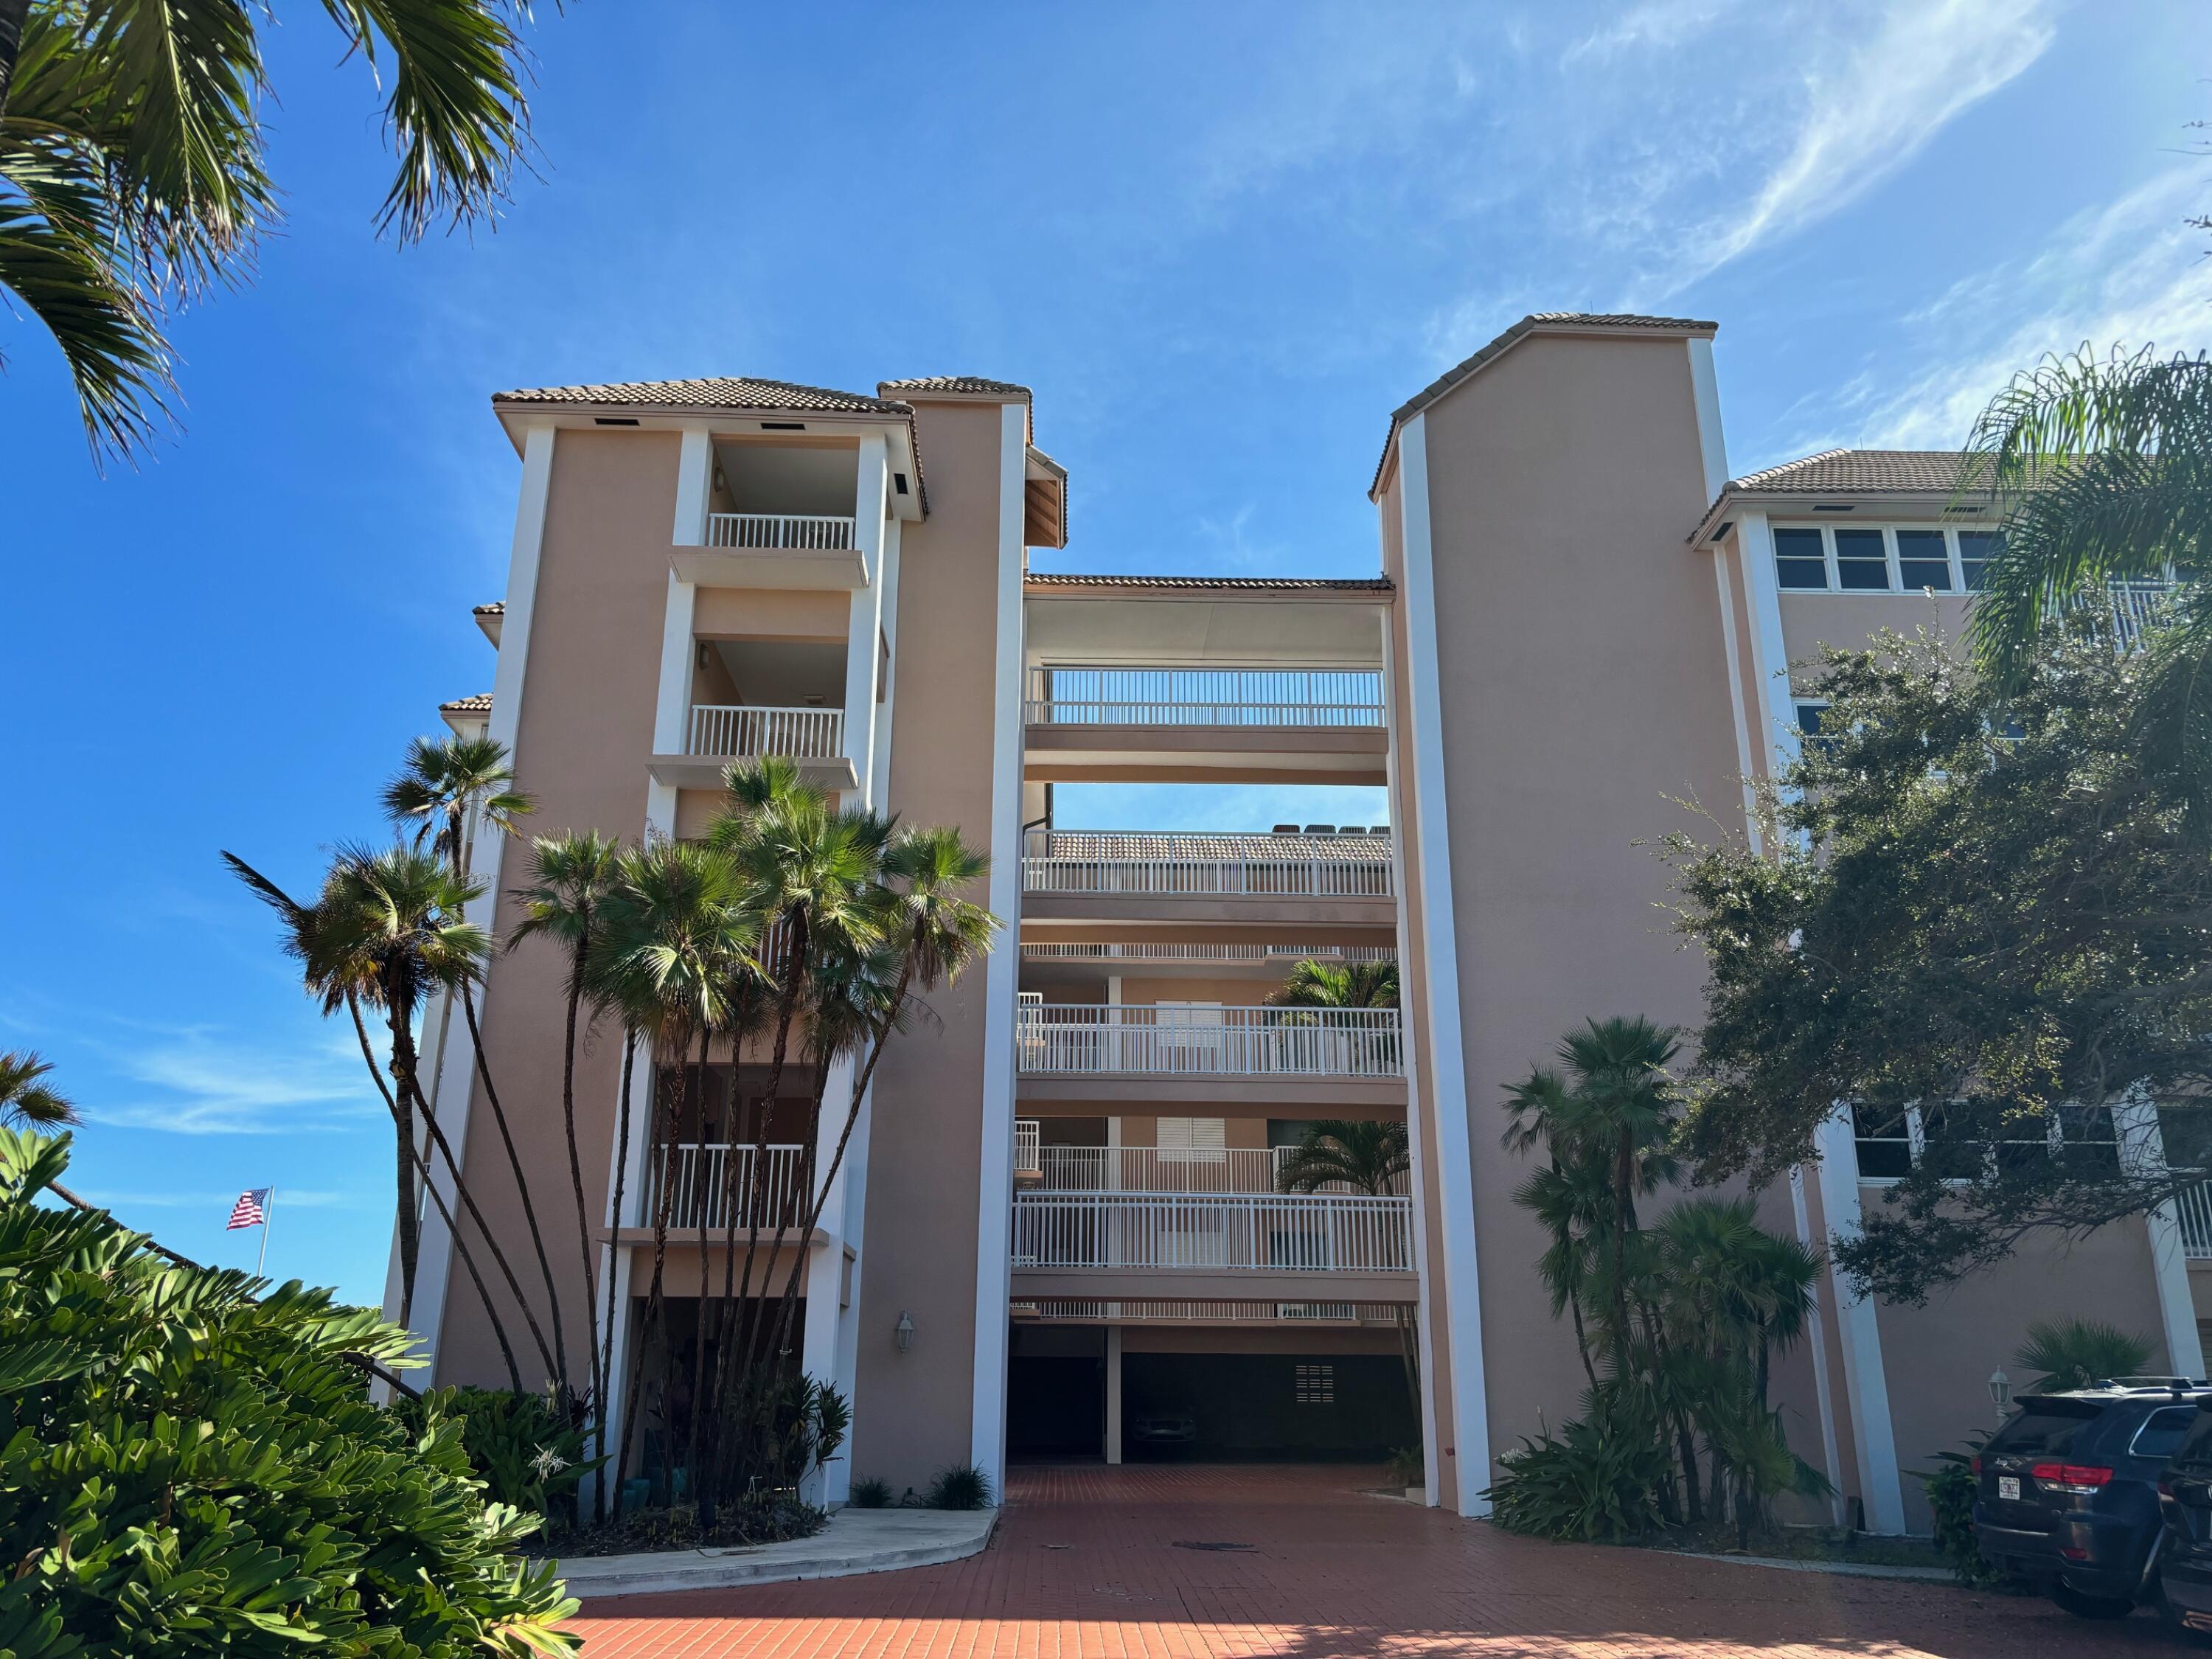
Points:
[(776, 1327), (596, 1380), (415, 1168), (695, 1091), (664, 1198), (409, 1214), (559, 1368), (605, 1357)]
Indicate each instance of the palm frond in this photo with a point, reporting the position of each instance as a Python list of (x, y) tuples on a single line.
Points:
[(25, 1100)]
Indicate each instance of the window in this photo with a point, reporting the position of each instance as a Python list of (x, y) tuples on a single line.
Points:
[(1315, 1385), (2161, 1433), (2045, 1428), (1976, 549), (1800, 561), (2089, 1141), (1923, 561), (1812, 716), (1862, 561), (1884, 1139), (1193, 1139)]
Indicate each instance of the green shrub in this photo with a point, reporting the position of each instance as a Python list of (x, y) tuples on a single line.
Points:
[(869, 1494), (963, 1487), (1951, 1489), (1406, 1467), (1597, 1480), (519, 1445), (185, 1468)]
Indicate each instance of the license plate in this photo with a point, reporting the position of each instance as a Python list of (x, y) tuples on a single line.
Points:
[(2008, 1487)]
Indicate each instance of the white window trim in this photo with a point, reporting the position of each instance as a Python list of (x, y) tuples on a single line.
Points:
[(1916, 1135), (1888, 530)]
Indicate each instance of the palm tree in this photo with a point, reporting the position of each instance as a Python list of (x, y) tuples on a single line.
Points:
[(1371, 1158), (2075, 1353), (1355, 985), (677, 919), (446, 788), (2103, 470), (132, 153), (25, 1101), (571, 877)]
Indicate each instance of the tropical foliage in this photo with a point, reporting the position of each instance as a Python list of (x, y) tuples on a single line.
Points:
[(1975, 915), (1370, 1156), (527, 1448), (2102, 468), (1314, 984), (189, 1463), (133, 153), (26, 1100), (2074, 1353), (1676, 1323), (795, 936)]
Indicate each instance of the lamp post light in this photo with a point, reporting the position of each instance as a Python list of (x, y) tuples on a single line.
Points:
[(2000, 1392), (903, 1333)]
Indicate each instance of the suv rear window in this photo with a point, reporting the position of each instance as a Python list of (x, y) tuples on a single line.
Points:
[(2161, 1432), (2196, 1445), (2045, 1427)]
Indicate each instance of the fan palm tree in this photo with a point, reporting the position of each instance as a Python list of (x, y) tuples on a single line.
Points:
[(25, 1101), (1355, 985), (1371, 1157), (2103, 470), (132, 163), (571, 877), (2075, 1353), (446, 788)]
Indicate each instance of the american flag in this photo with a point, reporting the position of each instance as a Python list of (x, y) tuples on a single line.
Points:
[(251, 1210)]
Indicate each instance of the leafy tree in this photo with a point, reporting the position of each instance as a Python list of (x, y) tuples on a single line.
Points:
[(189, 1463), (1984, 910), (132, 152), (2103, 468), (25, 1100), (2073, 1353)]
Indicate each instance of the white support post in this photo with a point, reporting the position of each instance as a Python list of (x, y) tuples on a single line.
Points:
[(455, 1079), (995, 1189), (1818, 1343), (695, 484), (1777, 716), (1113, 1393), (865, 620), (2142, 1150), (1445, 1063), (1865, 1381)]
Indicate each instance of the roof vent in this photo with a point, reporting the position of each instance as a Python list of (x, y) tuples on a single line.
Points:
[(783, 426), (898, 482), (1824, 508), (614, 420)]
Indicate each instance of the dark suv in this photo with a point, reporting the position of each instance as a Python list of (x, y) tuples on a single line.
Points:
[(2184, 1493), (2068, 1494)]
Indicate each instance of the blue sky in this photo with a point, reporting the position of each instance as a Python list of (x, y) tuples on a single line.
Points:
[(1221, 242)]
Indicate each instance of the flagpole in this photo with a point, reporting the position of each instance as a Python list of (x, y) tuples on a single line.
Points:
[(268, 1210)]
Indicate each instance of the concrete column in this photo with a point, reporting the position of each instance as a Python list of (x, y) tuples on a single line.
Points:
[(863, 630), (1866, 1382), (1113, 1393), (2142, 1153)]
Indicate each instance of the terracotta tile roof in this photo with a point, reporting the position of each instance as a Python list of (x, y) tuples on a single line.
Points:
[(1232, 584), (1538, 322), (965, 384), (720, 393), (496, 608), (1860, 473), (1144, 844), (478, 704)]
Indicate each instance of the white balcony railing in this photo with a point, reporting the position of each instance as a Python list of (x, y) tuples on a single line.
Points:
[(1156, 1169), (1241, 866), (1092, 1311), (2136, 606), (1069, 693), (704, 1183), (1078, 1039), (1134, 950), (1235, 1232), (793, 533), (1026, 1147), (2193, 1207), (746, 729)]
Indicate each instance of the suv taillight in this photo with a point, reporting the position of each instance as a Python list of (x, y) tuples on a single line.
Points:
[(1974, 1465), (2077, 1478)]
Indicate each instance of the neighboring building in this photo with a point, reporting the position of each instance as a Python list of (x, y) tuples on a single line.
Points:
[(1062, 1194)]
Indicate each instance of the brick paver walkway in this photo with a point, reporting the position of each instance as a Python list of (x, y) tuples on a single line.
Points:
[(1095, 1562)]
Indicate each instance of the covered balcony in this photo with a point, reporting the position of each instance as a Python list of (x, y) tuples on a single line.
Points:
[(1176, 1040), (1256, 723), (783, 512), (1343, 878), (706, 1185), (754, 698)]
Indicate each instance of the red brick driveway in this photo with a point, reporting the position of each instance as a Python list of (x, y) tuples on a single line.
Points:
[(1091, 1562)]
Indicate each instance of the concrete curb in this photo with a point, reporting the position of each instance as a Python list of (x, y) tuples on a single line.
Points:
[(855, 1541), (1838, 1569)]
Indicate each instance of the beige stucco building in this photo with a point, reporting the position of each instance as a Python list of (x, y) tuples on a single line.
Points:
[(1058, 1231)]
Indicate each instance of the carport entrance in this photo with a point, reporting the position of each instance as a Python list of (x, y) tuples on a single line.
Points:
[(1273, 1408)]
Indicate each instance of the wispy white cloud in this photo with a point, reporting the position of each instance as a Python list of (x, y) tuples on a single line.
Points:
[(215, 1202), (1864, 107), (1662, 24), (2130, 274), (198, 1081)]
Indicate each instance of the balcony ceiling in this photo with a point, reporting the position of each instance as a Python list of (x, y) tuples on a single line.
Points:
[(1205, 628)]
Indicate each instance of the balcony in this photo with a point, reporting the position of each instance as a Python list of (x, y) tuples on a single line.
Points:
[(1094, 1039), (1354, 866), (2193, 1209), (704, 1183), (1269, 959), (718, 733), (775, 550), (1080, 1310), (1148, 1168), (1222, 1234), (1172, 723)]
